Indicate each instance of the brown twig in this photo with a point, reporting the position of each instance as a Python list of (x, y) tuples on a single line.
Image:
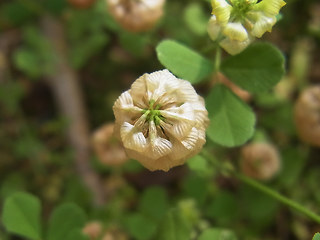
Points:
[(65, 86)]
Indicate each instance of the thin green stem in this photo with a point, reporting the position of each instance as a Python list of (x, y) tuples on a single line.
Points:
[(260, 187), (272, 193), (217, 60)]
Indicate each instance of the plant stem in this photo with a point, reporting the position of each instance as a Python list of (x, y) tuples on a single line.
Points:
[(260, 187), (217, 60), (272, 193)]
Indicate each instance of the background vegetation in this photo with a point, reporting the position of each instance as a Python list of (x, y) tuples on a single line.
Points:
[(44, 153)]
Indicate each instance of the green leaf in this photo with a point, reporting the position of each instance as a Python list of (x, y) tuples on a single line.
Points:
[(76, 234), (217, 234), (64, 219), (27, 61), (198, 163), (140, 227), (153, 196), (183, 62), (174, 227), (224, 208), (16, 12), (196, 187), (196, 19), (316, 236), (21, 215), (10, 95), (14, 182), (231, 120), (134, 43), (256, 69), (81, 53), (260, 209)]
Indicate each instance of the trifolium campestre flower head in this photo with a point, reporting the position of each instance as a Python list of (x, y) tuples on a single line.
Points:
[(235, 23), (161, 120)]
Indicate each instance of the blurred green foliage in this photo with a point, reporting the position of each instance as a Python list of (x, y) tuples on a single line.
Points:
[(189, 202)]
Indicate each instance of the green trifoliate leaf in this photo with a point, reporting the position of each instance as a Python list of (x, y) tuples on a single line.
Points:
[(256, 69), (196, 19), (184, 62), (198, 163), (153, 196), (231, 120), (140, 227), (21, 215), (76, 234), (174, 227)]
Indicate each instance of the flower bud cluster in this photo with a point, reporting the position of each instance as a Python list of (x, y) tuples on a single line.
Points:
[(161, 120), (235, 23), (136, 15)]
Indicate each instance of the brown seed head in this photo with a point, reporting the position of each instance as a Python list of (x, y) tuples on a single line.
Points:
[(260, 161), (307, 115), (136, 15), (108, 149)]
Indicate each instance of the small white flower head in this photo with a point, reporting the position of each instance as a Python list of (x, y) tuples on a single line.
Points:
[(161, 120), (235, 23), (136, 15)]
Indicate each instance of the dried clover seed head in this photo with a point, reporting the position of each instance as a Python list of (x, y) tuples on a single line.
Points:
[(307, 115), (161, 120), (92, 229), (107, 147), (260, 161), (136, 15), (235, 23)]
